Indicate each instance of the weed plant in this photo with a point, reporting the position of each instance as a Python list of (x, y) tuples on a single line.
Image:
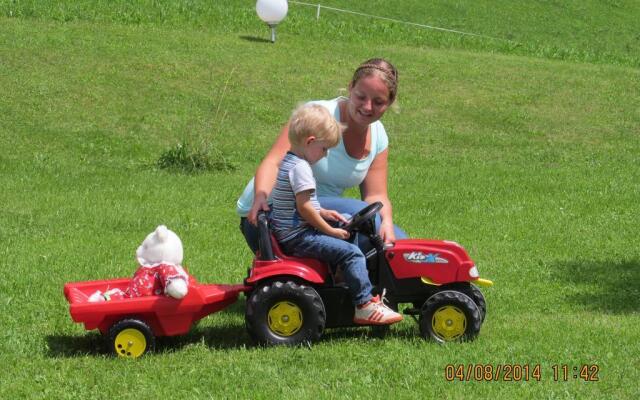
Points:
[(185, 158)]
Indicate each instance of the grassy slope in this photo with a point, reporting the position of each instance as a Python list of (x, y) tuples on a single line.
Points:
[(589, 29), (593, 31), (531, 164)]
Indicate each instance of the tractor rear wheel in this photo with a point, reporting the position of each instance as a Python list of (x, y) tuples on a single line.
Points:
[(450, 316), (284, 313)]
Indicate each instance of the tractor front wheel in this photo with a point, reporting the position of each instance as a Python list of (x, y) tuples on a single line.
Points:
[(450, 316), (284, 313), (478, 298), (475, 294)]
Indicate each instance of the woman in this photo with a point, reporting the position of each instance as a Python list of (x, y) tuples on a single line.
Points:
[(360, 159)]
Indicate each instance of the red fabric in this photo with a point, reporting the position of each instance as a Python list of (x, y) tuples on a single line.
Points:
[(150, 281)]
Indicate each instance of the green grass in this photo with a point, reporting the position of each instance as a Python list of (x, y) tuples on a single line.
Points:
[(591, 31), (530, 162)]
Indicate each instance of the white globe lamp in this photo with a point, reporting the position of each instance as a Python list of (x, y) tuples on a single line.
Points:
[(272, 12)]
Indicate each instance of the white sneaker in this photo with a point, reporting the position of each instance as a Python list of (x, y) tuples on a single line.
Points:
[(374, 312)]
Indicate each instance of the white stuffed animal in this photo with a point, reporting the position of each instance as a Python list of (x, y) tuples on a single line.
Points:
[(161, 251), (159, 272)]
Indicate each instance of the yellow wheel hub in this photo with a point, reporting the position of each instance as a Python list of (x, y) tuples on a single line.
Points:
[(285, 318), (449, 323), (130, 343)]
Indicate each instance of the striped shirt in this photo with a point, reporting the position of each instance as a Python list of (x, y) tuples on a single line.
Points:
[(294, 176)]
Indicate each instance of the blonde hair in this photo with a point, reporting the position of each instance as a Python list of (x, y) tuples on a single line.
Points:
[(381, 68), (313, 120)]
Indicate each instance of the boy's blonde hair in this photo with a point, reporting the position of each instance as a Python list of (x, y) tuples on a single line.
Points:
[(313, 120)]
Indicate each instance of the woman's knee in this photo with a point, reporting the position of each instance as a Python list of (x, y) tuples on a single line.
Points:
[(352, 206), (250, 233), (342, 205)]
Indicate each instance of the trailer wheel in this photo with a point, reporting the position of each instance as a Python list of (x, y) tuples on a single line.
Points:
[(450, 316), (284, 313), (131, 338)]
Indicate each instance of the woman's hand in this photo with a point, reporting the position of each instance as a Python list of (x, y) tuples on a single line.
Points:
[(259, 204), (332, 215), (387, 233), (374, 188)]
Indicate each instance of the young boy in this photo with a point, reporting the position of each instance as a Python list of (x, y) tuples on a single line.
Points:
[(300, 224)]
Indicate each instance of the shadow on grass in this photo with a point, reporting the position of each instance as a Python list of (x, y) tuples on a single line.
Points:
[(90, 344), (94, 344), (612, 287), (255, 39), (228, 337), (369, 332), (236, 308), (223, 337)]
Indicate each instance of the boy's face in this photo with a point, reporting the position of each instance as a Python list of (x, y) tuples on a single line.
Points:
[(315, 150)]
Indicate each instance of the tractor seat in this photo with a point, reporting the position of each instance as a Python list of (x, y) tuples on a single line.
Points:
[(265, 247), (269, 250)]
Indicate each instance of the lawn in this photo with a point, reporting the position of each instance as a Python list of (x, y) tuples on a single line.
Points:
[(528, 157)]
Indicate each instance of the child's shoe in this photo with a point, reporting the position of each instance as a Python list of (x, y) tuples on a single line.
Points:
[(374, 312)]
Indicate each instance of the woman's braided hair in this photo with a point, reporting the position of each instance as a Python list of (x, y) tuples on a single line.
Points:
[(381, 68)]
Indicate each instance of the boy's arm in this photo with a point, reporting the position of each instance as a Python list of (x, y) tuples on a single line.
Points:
[(309, 213), (332, 215)]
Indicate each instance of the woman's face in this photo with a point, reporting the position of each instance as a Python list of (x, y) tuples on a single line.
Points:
[(368, 100)]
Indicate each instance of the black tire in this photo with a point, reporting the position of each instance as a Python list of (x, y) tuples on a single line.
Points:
[(478, 298), (450, 316), (285, 313), (475, 294), (130, 338)]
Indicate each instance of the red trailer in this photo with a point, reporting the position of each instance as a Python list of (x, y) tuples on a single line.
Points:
[(132, 324)]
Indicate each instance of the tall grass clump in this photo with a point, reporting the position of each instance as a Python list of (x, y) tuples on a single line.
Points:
[(199, 154), (188, 158)]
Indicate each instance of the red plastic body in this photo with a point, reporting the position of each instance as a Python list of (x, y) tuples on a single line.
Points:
[(164, 315), (440, 261), (308, 269)]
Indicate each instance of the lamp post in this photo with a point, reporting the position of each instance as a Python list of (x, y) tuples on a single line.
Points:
[(272, 12)]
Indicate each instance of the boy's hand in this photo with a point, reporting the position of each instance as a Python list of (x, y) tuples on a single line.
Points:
[(339, 233), (332, 215)]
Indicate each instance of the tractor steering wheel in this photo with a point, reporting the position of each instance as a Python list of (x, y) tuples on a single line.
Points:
[(362, 216)]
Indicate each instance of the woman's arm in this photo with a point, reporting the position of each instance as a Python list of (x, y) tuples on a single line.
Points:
[(374, 188), (266, 174)]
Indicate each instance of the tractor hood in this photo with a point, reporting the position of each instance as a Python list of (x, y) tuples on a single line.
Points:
[(438, 261)]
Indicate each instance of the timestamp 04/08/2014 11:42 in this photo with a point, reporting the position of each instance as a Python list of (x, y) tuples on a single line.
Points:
[(520, 372)]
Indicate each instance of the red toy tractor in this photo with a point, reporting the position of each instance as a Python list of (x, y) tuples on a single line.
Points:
[(292, 300)]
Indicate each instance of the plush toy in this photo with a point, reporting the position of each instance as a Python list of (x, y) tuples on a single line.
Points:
[(159, 272)]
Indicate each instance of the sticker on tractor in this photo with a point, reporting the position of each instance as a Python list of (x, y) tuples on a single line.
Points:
[(421, 258)]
